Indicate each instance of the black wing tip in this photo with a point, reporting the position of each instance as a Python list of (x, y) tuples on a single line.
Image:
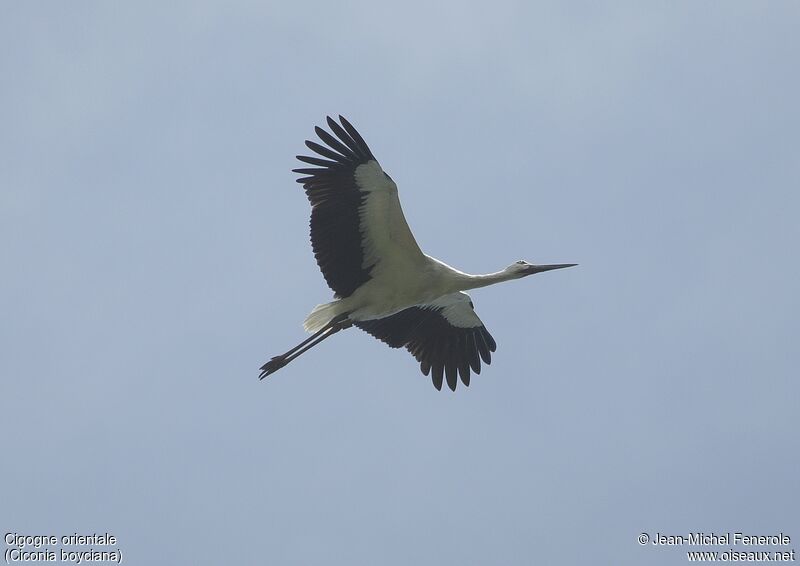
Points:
[(446, 354), (342, 120), (451, 374), (345, 133)]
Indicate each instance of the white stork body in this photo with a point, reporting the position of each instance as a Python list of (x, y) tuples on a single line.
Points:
[(383, 282)]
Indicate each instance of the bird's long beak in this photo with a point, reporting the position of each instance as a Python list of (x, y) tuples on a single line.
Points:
[(539, 268)]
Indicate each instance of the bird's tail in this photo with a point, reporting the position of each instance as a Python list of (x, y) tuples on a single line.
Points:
[(321, 315)]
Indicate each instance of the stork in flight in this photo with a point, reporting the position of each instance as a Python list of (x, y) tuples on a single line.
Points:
[(383, 283)]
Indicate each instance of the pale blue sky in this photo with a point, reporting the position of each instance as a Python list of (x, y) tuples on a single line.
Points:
[(155, 253)]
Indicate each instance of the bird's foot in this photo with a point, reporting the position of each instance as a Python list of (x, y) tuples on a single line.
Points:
[(272, 366)]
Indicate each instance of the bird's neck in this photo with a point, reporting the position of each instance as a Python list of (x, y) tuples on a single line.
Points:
[(467, 281)]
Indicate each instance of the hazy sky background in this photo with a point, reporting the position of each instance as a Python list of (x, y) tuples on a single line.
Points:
[(155, 253)]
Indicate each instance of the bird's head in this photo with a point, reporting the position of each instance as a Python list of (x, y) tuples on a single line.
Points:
[(522, 268)]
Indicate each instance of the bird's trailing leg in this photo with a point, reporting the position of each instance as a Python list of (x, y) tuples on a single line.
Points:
[(338, 323)]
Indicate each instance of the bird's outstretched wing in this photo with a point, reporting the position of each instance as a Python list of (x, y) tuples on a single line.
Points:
[(356, 219), (446, 337)]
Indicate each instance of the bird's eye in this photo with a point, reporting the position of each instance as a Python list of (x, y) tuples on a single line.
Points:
[(520, 262)]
